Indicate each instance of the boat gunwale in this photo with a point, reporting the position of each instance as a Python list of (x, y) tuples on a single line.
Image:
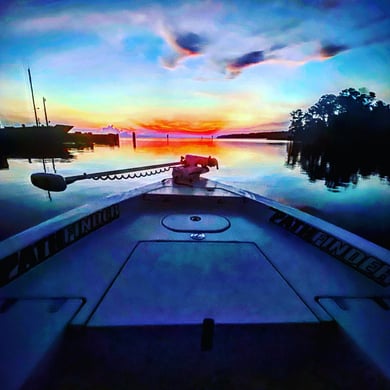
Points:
[(35, 233)]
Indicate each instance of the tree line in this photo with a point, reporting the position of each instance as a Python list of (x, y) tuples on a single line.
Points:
[(353, 116)]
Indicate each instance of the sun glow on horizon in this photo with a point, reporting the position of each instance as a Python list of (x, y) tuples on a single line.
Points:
[(206, 127), (188, 67)]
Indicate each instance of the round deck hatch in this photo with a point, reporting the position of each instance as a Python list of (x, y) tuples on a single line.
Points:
[(196, 223)]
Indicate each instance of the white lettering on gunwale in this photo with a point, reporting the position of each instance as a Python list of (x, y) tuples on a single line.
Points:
[(372, 267), (26, 258)]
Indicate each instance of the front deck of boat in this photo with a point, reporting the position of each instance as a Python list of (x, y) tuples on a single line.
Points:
[(248, 356), (192, 288)]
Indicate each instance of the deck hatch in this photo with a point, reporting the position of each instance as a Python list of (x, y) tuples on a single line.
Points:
[(195, 223), (166, 283)]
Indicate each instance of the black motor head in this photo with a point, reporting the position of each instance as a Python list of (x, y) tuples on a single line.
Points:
[(48, 181)]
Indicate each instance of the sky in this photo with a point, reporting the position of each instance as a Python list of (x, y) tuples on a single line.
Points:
[(187, 67)]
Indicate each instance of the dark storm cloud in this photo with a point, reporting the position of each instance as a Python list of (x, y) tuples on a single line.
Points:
[(191, 42), (254, 57), (331, 50), (184, 45), (235, 66)]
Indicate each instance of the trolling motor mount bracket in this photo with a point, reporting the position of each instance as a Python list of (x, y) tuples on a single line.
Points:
[(193, 166)]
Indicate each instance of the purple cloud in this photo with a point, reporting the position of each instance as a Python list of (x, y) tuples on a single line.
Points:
[(331, 50), (184, 45), (191, 43), (235, 66)]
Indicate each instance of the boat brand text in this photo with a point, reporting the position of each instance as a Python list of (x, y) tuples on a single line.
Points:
[(372, 267), (24, 259)]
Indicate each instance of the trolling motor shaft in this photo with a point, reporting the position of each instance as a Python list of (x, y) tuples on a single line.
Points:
[(187, 170)]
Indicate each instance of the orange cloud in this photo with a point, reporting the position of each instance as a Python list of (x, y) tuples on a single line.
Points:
[(183, 126)]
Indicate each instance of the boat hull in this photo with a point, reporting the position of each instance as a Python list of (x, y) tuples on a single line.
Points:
[(138, 293)]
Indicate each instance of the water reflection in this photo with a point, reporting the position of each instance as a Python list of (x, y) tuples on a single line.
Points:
[(254, 165), (3, 162), (177, 147), (231, 154), (32, 152), (22, 143), (339, 165)]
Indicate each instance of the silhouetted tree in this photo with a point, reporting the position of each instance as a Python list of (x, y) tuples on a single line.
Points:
[(326, 108), (297, 123), (341, 138), (353, 114)]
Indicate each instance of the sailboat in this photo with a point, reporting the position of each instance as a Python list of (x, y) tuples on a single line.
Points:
[(20, 137)]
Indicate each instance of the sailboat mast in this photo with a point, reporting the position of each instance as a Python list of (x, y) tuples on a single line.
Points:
[(44, 108), (33, 100)]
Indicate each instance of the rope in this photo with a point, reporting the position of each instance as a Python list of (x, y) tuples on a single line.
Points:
[(132, 176)]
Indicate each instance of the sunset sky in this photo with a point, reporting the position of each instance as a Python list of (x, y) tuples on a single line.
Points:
[(190, 67)]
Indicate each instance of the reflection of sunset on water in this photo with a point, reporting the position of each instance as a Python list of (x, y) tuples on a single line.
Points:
[(255, 165), (230, 154)]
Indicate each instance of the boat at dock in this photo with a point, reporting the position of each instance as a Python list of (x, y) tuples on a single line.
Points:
[(190, 283), (15, 140), (14, 136)]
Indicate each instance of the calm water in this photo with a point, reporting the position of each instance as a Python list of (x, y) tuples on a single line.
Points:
[(259, 166)]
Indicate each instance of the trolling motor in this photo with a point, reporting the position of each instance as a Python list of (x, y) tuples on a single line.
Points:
[(186, 171)]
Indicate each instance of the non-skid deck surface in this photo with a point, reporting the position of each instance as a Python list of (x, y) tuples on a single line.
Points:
[(166, 283)]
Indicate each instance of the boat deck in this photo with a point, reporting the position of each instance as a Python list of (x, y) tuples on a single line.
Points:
[(180, 287)]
